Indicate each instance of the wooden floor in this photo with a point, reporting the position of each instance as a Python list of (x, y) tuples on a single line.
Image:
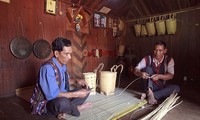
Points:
[(16, 108)]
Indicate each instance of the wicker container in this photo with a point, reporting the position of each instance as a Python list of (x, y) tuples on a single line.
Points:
[(107, 82), (90, 79), (137, 28), (150, 26), (143, 31), (171, 24), (160, 26)]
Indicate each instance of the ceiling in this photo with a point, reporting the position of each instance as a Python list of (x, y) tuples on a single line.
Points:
[(135, 9)]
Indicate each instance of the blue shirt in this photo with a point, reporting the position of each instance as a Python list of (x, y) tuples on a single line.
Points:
[(48, 82)]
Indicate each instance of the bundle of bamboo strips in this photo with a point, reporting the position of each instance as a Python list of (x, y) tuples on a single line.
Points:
[(163, 108)]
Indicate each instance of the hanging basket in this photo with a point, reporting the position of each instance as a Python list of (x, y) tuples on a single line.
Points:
[(150, 26), (137, 28), (171, 24), (160, 26), (143, 31)]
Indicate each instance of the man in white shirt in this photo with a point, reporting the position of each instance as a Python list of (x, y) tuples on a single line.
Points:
[(156, 69)]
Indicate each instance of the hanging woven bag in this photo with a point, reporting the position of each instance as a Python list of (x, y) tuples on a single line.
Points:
[(150, 26), (160, 26), (143, 31), (171, 24), (137, 28)]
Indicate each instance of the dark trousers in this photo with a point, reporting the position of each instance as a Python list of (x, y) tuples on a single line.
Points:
[(64, 105), (160, 89)]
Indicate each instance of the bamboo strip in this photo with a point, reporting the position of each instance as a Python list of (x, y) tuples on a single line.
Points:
[(130, 109), (162, 111), (163, 108)]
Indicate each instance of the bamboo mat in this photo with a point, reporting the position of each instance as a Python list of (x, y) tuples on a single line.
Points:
[(104, 107), (109, 107)]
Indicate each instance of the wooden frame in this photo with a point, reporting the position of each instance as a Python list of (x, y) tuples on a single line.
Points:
[(97, 20), (51, 6), (103, 21)]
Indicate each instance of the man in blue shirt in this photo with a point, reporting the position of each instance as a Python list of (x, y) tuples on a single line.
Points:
[(52, 95)]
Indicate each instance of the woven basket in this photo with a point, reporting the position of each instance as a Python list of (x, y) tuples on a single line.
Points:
[(137, 28), (91, 78), (160, 26), (171, 24), (150, 26), (108, 80), (143, 31)]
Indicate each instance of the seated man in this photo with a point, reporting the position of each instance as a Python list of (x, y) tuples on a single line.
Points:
[(52, 95), (156, 70)]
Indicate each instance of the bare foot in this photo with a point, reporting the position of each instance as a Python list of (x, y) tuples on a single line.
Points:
[(62, 116), (143, 96), (84, 106), (151, 98)]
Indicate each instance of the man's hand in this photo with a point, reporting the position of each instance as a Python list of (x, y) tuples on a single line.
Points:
[(82, 93), (145, 75), (82, 83), (155, 77)]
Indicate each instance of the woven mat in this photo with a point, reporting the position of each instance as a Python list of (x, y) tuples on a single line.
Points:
[(110, 107)]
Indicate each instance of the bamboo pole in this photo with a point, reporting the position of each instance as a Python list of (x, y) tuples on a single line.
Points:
[(177, 12)]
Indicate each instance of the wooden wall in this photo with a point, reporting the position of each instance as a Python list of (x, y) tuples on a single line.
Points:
[(17, 73), (183, 46)]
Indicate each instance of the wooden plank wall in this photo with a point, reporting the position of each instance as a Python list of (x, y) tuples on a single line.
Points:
[(17, 73), (183, 46)]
